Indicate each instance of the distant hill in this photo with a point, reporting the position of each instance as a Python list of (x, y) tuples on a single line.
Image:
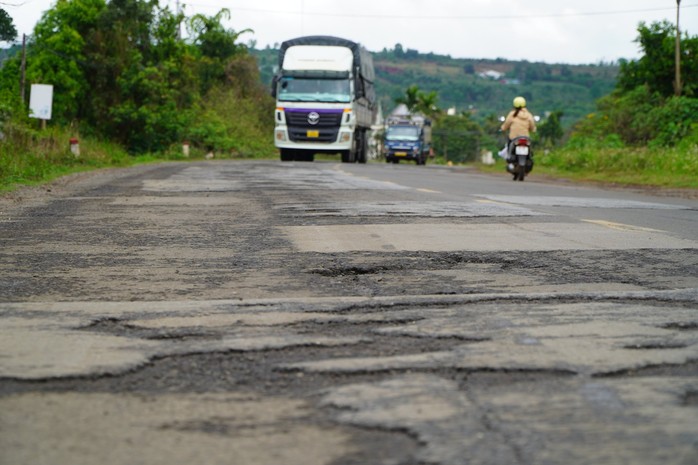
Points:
[(480, 86)]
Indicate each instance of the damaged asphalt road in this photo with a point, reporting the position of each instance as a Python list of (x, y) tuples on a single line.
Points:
[(268, 313)]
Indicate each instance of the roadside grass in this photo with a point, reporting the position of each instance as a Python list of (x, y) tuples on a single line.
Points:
[(32, 157), (675, 167)]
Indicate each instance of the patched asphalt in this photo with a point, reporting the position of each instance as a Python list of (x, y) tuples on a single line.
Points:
[(296, 313)]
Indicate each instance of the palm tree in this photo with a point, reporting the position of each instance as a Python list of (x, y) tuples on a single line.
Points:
[(411, 98), (417, 101), (426, 103), (213, 39)]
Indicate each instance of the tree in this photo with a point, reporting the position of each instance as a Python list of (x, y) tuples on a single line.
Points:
[(411, 98), (457, 138), (120, 70), (426, 103), (656, 68), (417, 101), (212, 38), (215, 43), (550, 131), (57, 54), (8, 32)]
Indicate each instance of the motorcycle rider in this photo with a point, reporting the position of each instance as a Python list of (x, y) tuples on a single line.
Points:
[(519, 122)]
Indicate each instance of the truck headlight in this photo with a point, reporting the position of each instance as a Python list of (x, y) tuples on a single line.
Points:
[(281, 135), (345, 137)]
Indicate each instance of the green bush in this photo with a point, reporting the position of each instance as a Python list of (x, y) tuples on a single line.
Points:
[(674, 120), (119, 71), (640, 118), (457, 138)]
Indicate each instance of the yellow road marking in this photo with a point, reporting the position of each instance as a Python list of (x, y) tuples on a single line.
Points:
[(428, 191), (621, 226)]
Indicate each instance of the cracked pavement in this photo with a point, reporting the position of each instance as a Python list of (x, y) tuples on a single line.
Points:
[(265, 313)]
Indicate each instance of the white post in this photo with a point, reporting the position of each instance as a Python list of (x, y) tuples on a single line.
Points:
[(75, 146)]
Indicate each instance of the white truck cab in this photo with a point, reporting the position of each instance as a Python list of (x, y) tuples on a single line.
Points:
[(325, 100)]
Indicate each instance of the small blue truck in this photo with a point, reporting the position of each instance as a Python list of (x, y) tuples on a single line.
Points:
[(407, 139)]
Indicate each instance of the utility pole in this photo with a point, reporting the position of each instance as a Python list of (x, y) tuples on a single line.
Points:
[(179, 23), (677, 58), (23, 68)]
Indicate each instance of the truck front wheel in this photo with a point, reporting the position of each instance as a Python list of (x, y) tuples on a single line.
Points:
[(362, 147)]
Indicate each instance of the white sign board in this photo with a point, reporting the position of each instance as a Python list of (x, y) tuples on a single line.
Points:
[(41, 101)]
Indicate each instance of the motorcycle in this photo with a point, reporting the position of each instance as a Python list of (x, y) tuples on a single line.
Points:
[(520, 157)]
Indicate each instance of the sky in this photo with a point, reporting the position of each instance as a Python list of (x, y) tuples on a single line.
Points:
[(550, 31)]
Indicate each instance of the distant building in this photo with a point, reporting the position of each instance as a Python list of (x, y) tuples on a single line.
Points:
[(491, 74)]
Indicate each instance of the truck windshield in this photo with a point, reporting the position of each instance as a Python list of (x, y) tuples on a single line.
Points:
[(402, 133), (314, 90)]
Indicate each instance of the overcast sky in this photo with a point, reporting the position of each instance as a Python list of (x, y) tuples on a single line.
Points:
[(552, 31)]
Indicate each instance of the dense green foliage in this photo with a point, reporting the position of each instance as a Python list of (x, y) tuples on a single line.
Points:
[(417, 101), (550, 131), (8, 31), (655, 69), (641, 132), (457, 138), (121, 72), (640, 117), (643, 109), (485, 87)]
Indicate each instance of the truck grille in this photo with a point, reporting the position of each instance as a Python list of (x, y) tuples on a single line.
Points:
[(327, 125)]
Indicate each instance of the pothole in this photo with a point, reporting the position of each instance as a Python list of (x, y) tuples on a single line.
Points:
[(682, 326), (687, 369), (690, 399), (349, 271), (656, 346), (117, 327)]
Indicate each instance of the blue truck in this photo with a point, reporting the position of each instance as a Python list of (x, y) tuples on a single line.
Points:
[(407, 138)]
